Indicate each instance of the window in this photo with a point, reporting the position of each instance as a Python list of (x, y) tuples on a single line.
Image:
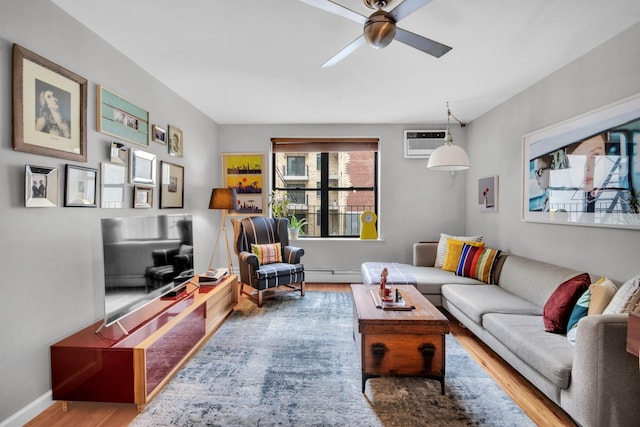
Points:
[(334, 194)]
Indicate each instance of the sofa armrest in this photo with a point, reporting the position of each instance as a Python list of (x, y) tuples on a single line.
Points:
[(605, 380), (292, 254), (424, 254)]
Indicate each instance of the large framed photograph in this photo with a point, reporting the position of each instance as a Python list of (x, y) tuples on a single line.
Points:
[(80, 186), (49, 108), (40, 187), (584, 171), (142, 197), (142, 167), (120, 118), (488, 194), (171, 186), (176, 142), (246, 173), (113, 184)]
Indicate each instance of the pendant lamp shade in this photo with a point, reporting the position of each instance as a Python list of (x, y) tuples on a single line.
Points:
[(449, 157)]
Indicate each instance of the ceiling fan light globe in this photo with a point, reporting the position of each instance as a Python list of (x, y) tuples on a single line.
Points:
[(379, 30)]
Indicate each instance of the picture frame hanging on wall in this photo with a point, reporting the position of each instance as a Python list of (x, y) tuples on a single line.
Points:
[(488, 194), (80, 187), (121, 118), (246, 173), (176, 142), (584, 171), (171, 185), (142, 197), (49, 108), (142, 167), (40, 187), (159, 134), (113, 182)]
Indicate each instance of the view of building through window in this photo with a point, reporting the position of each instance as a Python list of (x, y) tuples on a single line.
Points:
[(330, 189)]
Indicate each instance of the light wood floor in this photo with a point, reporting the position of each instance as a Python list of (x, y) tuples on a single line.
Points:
[(538, 407)]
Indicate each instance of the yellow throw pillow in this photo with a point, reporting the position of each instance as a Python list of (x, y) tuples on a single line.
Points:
[(267, 254), (602, 293), (454, 251)]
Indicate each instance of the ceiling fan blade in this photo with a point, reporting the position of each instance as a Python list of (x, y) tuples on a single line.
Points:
[(424, 44), (344, 52), (407, 7), (336, 9)]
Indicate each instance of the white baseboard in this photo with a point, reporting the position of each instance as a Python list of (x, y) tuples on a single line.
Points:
[(29, 412)]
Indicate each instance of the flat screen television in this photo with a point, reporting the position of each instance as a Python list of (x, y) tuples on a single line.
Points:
[(144, 259)]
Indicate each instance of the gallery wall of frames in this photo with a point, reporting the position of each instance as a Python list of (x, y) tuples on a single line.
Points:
[(50, 119)]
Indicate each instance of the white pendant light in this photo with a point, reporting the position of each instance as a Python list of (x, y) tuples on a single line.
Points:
[(449, 157)]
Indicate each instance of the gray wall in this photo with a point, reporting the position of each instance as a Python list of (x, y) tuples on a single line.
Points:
[(51, 262), (605, 75), (415, 204)]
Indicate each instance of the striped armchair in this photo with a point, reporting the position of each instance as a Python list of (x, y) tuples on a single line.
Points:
[(281, 270)]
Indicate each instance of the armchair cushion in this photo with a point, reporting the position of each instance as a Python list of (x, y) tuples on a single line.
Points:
[(267, 253)]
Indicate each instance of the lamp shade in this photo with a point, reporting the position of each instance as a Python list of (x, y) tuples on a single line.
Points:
[(223, 198), (449, 157)]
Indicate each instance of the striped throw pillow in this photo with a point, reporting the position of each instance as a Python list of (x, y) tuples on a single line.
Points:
[(441, 251), (267, 254), (478, 263)]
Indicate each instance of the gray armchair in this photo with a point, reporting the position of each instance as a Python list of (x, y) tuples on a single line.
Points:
[(267, 279)]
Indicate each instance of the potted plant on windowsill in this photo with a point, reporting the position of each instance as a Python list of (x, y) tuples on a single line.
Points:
[(295, 226)]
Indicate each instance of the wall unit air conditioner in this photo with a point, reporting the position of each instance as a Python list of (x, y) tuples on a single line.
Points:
[(419, 144)]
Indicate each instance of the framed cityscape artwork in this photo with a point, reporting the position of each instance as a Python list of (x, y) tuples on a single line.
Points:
[(49, 108), (246, 173), (586, 170)]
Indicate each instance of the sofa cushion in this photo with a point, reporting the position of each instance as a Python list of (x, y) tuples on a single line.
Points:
[(441, 252), (580, 309), (475, 301), (478, 263), (627, 299), (454, 251), (549, 354), (602, 293), (267, 253), (558, 307)]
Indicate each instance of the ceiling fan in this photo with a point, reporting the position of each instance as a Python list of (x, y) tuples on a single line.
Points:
[(380, 28)]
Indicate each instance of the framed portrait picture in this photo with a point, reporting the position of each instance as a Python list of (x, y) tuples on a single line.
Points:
[(142, 167), (113, 184), (246, 172), (488, 194), (158, 134), (80, 186), (584, 171), (142, 197), (120, 118), (49, 108), (40, 187), (176, 143), (171, 186)]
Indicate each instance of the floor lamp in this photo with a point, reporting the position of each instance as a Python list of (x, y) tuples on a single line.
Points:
[(224, 199)]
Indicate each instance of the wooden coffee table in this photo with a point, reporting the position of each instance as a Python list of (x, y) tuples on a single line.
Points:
[(399, 343)]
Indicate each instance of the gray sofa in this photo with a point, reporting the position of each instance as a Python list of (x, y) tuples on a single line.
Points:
[(595, 381)]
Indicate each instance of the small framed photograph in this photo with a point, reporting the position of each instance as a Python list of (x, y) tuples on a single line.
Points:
[(171, 186), (80, 186), (40, 187), (142, 197), (113, 181), (49, 108), (142, 167), (117, 153), (488, 194), (176, 143), (158, 134)]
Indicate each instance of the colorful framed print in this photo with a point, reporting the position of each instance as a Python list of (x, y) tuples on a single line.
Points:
[(113, 184), (40, 187), (120, 118), (158, 134), (488, 194), (246, 172), (80, 186), (49, 108), (142, 197), (171, 186), (142, 167), (176, 142), (584, 171)]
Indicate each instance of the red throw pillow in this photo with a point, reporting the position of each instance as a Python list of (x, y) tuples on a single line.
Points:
[(559, 306)]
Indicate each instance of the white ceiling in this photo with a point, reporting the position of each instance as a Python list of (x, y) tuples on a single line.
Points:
[(258, 62)]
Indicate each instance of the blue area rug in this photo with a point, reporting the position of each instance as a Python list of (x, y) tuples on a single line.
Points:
[(293, 362)]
